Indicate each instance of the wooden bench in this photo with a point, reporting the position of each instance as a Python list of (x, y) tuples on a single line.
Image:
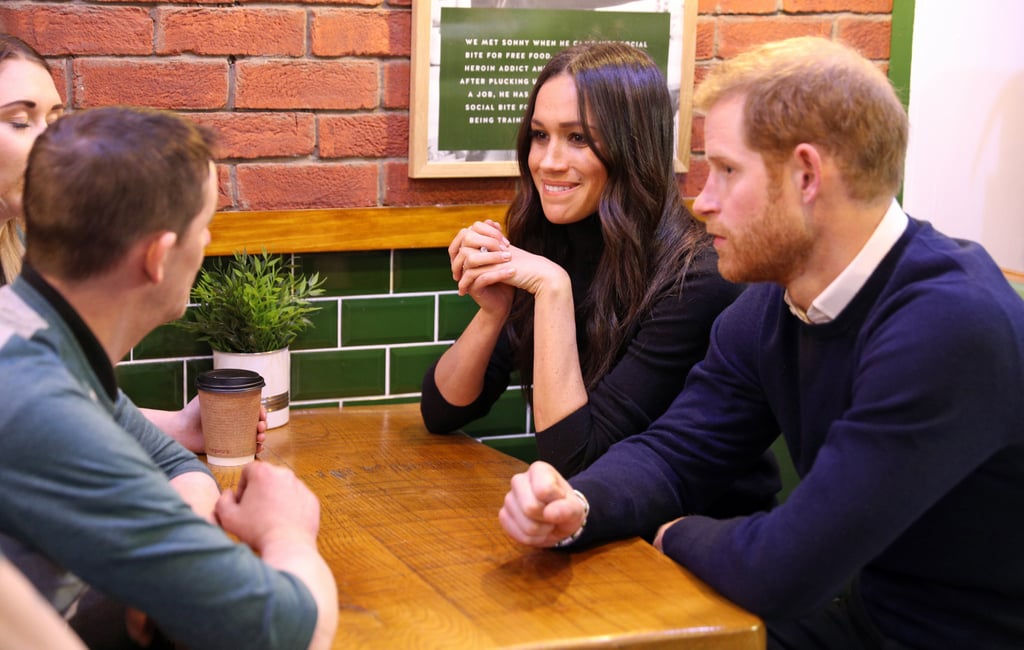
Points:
[(344, 229)]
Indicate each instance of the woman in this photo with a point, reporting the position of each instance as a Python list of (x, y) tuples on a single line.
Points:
[(29, 102), (603, 294)]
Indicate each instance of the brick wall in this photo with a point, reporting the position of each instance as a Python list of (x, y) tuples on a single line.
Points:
[(312, 97)]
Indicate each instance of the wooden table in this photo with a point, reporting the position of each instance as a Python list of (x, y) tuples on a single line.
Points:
[(410, 529)]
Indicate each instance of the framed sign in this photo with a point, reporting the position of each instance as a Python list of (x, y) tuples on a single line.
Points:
[(474, 63)]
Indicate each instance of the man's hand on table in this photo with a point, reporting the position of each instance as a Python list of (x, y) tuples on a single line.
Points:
[(661, 533), (541, 509), (277, 515), (270, 503)]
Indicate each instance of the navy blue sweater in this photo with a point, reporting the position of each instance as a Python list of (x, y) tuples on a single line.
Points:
[(648, 375), (903, 417)]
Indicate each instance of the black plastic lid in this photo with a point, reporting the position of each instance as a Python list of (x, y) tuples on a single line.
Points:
[(229, 380)]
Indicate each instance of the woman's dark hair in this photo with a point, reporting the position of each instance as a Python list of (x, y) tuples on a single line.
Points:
[(650, 238)]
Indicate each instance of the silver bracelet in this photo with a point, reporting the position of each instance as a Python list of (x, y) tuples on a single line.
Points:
[(579, 531)]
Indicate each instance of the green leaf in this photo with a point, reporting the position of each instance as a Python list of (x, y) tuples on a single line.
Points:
[(251, 303)]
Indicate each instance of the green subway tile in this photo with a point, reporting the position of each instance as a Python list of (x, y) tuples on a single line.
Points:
[(523, 447), (409, 364), (425, 269), (453, 314), (350, 274), (153, 385), (324, 331), (376, 321), (170, 341), (333, 375), (507, 416), (787, 472), (193, 368)]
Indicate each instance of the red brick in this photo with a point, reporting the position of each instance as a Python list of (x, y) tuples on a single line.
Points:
[(396, 85), (346, 3), (224, 187), (739, 6), (306, 185), (166, 2), (870, 36), (846, 6), (261, 135), (695, 177), (700, 70), (399, 189), (705, 38), (377, 135), (81, 30), (738, 34), (277, 84), (232, 31), (156, 83), (358, 32), (697, 135), (59, 67)]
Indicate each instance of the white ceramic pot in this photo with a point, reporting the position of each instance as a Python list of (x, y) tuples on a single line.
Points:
[(275, 368)]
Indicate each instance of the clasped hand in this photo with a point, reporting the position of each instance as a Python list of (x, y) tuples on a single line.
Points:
[(541, 509), (487, 266)]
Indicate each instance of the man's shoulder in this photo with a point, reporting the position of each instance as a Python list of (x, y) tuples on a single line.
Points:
[(958, 273), (19, 318)]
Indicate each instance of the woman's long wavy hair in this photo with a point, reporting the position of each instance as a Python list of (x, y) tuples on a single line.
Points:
[(11, 248), (650, 238)]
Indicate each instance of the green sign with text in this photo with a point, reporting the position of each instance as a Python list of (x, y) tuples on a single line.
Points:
[(490, 59)]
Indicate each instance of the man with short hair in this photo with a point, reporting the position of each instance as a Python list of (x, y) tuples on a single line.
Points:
[(890, 356), (93, 498)]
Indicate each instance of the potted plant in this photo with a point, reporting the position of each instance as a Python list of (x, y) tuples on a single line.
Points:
[(250, 308)]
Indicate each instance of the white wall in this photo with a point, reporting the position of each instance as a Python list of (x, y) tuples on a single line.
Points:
[(965, 166)]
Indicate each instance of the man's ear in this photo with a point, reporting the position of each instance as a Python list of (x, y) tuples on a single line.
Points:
[(806, 169), (157, 250)]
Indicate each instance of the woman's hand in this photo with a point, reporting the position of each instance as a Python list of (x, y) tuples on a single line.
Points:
[(479, 256)]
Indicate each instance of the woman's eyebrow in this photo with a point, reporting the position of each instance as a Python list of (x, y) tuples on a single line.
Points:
[(20, 102), (29, 104)]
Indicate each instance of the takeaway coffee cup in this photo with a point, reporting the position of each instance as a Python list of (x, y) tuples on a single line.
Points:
[(229, 406)]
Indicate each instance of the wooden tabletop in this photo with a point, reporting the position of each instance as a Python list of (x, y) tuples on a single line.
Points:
[(409, 526)]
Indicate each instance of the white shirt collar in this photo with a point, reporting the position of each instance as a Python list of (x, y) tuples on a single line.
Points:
[(837, 295)]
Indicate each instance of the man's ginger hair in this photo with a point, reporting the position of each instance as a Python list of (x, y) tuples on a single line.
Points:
[(812, 90)]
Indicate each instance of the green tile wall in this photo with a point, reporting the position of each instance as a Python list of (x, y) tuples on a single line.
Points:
[(408, 365), (350, 274), (427, 269), (377, 321), (158, 385), (339, 373), (453, 314), (384, 318)]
